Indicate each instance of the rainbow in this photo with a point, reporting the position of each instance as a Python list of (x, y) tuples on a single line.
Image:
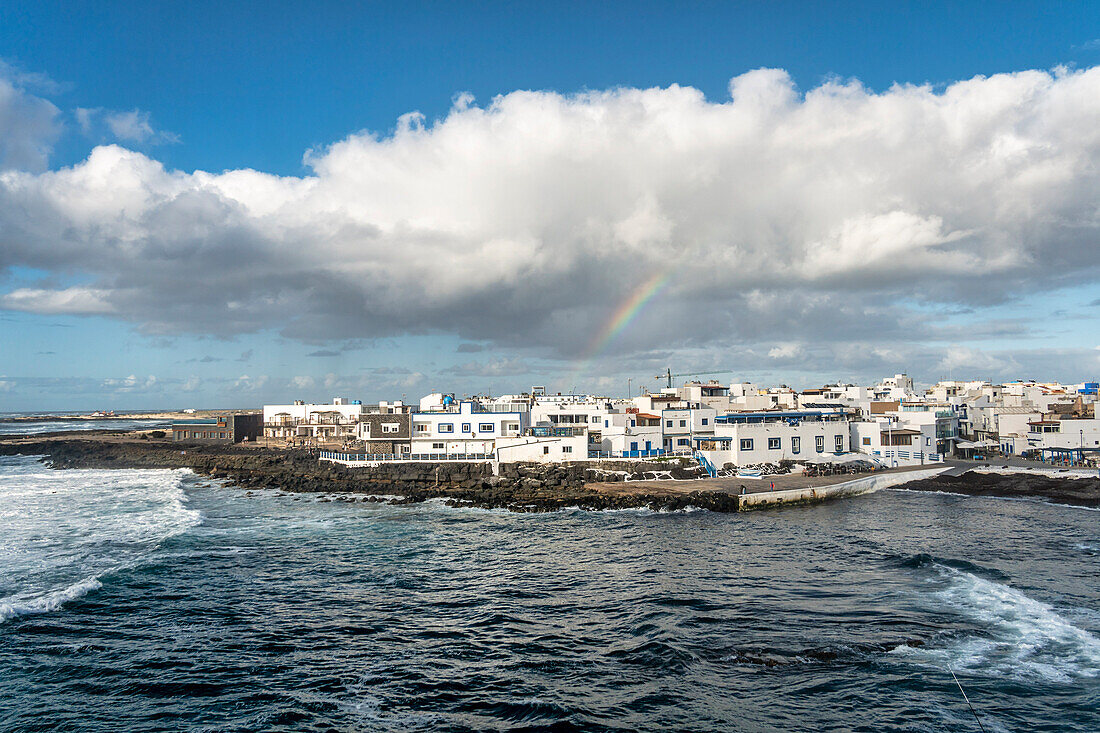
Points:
[(623, 316)]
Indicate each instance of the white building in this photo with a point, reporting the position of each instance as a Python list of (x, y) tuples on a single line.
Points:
[(1065, 438), (319, 423), (769, 437), (464, 428)]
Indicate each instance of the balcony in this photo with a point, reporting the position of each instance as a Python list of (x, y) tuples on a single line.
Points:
[(543, 431)]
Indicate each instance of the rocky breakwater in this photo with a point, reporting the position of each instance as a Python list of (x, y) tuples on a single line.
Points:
[(518, 487), (1082, 491)]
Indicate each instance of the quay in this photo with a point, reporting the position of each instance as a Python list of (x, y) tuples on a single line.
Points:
[(789, 488)]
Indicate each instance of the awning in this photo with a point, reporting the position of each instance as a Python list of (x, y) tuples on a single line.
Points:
[(843, 458)]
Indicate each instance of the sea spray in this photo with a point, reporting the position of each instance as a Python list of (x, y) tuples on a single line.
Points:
[(64, 531)]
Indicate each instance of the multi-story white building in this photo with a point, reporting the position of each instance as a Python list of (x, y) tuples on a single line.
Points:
[(747, 438), (1068, 438), (464, 428), (320, 423)]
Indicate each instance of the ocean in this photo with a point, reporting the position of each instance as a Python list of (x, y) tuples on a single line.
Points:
[(154, 600), (38, 427)]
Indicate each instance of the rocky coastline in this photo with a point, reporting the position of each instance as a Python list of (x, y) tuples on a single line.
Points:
[(520, 487), (1073, 491)]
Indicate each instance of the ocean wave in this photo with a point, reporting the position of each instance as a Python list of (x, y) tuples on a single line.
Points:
[(1021, 638), (15, 606), (65, 531)]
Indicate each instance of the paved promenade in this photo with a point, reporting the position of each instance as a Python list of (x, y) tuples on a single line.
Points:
[(733, 485)]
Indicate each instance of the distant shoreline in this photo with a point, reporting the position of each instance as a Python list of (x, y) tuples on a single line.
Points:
[(161, 416)]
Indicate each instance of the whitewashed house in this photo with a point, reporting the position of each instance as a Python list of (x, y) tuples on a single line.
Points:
[(318, 423), (745, 438), (463, 428)]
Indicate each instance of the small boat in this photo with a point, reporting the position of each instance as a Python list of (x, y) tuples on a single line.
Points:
[(749, 473)]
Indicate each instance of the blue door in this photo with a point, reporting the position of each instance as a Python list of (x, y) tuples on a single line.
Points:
[(634, 445)]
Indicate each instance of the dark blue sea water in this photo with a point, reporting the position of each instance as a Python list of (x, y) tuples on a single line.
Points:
[(150, 601)]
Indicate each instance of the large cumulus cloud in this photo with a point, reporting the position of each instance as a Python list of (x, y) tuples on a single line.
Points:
[(777, 214)]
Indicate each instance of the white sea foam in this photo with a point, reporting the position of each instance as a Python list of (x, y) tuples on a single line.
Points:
[(1052, 472), (65, 531), (1023, 638)]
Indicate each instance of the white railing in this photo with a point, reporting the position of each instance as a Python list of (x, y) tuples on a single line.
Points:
[(365, 458), (906, 455)]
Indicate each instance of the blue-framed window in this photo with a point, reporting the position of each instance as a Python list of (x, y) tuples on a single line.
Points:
[(775, 443), (466, 427), (683, 441), (746, 443), (446, 427), (486, 427), (819, 443), (706, 421), (796, 445)]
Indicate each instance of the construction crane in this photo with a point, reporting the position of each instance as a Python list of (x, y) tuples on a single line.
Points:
[(669, 375)]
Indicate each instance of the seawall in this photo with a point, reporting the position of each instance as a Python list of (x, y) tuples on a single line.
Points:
[(864, 485)]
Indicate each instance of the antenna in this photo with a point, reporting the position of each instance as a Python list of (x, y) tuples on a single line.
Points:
[(972, 710)]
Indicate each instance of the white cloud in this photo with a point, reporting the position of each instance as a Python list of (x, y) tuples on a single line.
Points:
[(132, 383), (76, 300), (29, 125), (786, 351), (127, 126), (798, 218), (303, 382), (245, 383)]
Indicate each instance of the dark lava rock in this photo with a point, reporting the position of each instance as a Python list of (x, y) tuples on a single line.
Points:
[(1075, 491)]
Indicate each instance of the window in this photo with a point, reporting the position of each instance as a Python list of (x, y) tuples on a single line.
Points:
[(775, 443), (421, 427), (486, 427), (746, 443), (631, 423), (634, 445), (391, 427), (668, 423), (545, 450), (706, 421), (595, 419), (567, 449), (683, 441), (867, 441), (927, 441), (437, 446), (606, 423), (466, 427), (683, 423), (839, 440), (796, 445), (819, 443), (446, 427)]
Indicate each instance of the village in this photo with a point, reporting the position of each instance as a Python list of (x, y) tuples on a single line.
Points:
[(721, 426)]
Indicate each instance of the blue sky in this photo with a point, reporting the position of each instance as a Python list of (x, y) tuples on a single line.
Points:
[(226, 86)]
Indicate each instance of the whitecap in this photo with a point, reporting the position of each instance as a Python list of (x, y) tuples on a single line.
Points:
[(14, 605), (64, 531), (1024, 638)]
